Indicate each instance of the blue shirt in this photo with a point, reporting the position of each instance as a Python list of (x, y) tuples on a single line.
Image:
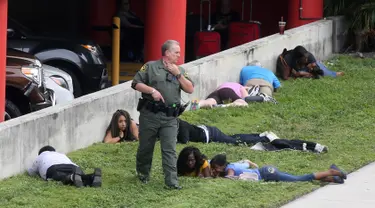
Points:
[(240, 168), (257, 72)]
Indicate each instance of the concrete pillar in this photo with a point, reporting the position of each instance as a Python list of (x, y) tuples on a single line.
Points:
[(165, 19), (3, 51)]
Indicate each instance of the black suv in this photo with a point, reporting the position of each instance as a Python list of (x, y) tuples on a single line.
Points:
[(82, 59)]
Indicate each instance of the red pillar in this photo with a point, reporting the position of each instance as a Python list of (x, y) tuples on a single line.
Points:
[(3, 51), (165, 19), (301, 12)]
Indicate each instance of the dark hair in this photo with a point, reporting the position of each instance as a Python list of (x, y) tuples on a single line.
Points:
[(182, 168), (115, 130), (46, 148), (300, 52), (219, 160)]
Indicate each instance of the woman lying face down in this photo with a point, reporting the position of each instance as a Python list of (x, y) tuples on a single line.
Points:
[(191, 162)]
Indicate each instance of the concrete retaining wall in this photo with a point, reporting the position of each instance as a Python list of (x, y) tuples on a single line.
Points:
[(82, 122)]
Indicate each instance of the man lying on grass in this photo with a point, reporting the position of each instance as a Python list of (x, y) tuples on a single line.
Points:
[(265, 141), (51, 165), (221, 168)]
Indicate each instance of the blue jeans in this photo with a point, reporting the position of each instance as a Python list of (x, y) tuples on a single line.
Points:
[(326, 71), (270, 173)]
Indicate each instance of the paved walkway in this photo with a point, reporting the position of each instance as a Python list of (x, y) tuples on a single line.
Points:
[(358, 191)]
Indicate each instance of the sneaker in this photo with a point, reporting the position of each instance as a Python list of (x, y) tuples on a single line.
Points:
[(254, 90), (272, 136), (263, 134), (267, 98), (338, 179), (320, 148), (344, 175), (97, 181), (194, 105)]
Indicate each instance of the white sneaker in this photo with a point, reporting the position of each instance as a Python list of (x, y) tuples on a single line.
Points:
[(320, 148), (263, 134), (272, 136), (254, 90), (268, 98)]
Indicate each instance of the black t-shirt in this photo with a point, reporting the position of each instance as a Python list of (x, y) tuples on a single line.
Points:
[(292, 61), (188, 132)]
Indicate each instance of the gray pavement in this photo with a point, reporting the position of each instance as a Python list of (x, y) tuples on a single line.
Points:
[(358, 191)]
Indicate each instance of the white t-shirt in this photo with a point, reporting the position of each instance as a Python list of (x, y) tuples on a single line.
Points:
[(46, 160)]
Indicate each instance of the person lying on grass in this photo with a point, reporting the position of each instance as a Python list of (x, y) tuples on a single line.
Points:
[(265, 141), (221, 168), (52, 165), (300, 63), (191, 162), (230, 94), (121, 128)]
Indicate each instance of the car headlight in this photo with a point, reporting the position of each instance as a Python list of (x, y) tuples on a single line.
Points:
[(33, 73), (91, 48), (60, 81)]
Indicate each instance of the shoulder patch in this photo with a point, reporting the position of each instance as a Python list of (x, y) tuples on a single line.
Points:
[(143, 68)]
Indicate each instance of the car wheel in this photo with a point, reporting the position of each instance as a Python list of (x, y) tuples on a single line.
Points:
[(11, 110)]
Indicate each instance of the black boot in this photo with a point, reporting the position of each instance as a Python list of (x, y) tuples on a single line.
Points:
[(76, 178), (97, 178)]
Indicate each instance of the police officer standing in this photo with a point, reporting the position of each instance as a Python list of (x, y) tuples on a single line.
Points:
[(160, 83)]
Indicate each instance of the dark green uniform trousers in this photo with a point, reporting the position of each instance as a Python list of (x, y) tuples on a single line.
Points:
[(153, 126)]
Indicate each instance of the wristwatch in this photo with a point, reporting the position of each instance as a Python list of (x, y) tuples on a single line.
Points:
[(178, 76)]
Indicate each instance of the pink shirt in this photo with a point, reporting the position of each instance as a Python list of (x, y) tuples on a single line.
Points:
[(232, 85)]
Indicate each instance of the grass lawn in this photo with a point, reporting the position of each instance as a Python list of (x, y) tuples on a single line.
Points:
[(335, 112)]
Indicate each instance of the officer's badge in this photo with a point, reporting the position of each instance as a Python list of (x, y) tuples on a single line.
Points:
[(143, 68)]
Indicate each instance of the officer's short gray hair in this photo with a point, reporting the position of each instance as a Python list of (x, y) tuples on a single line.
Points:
[(255, 63), (168, 45)]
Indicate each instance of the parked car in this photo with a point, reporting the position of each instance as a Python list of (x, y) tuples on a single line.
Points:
[(56, 80), (83, 60), (25, 86), (60, 82)]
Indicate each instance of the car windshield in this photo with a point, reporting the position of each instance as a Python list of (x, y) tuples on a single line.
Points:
[(12, 23)]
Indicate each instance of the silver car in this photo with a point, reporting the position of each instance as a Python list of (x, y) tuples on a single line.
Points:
[(60, 83)]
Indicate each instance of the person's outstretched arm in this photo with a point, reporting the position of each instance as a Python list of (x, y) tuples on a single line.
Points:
[(206, 172), (109, 139), (33, 170), (251, 164)]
